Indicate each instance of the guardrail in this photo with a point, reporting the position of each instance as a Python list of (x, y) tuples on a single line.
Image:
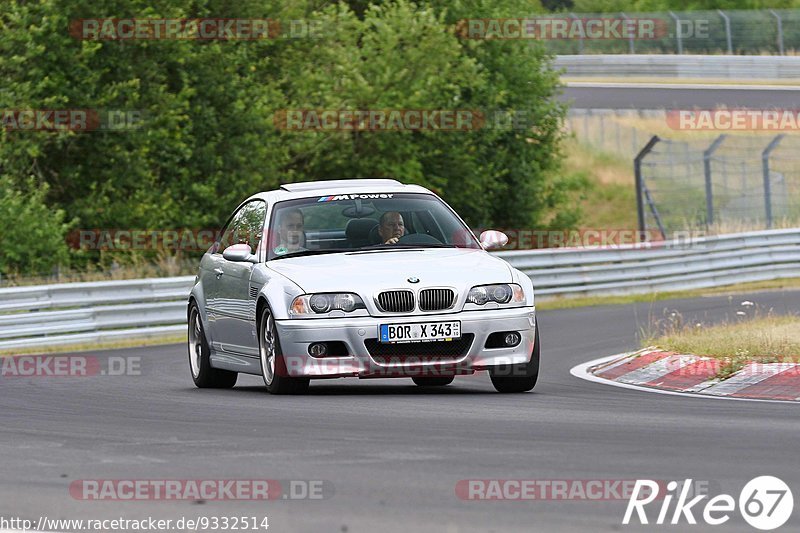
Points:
[(88, 313), (81, 313), (680, 66)]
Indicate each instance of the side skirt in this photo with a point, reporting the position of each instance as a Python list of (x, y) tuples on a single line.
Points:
[(236, 363)]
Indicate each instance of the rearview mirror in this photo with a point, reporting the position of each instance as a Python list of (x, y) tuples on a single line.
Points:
[(239, 253), (492, 239)]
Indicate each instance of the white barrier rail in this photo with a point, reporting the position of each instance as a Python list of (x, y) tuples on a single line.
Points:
[(73, 313), (680, 66)]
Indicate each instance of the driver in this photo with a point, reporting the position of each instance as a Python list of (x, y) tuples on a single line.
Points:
[(391, 227), (290, 232)]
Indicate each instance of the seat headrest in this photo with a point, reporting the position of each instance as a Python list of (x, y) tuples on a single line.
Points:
[(358, 230)]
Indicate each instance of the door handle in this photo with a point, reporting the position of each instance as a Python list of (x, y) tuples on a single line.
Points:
[(219, 272)]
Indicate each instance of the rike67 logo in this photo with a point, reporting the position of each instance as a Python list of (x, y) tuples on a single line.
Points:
[(765, 503)]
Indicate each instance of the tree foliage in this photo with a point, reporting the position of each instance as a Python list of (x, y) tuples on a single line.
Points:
[(208, 138)]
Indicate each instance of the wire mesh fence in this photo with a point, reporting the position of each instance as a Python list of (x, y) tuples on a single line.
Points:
[(773, 31), (612, 131), (712, 182)]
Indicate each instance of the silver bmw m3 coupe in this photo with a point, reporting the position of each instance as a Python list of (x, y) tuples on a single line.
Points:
[(358, 278)]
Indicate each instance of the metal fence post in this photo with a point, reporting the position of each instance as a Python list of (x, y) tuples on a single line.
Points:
[(630, 39), (637, 172), (586, 125), (671, 160), (707, 173), (780, 30), (678, 36), (601, 136), (728, 38), (767, 185)]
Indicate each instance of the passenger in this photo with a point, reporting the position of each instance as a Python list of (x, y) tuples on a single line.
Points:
[(291, 232)]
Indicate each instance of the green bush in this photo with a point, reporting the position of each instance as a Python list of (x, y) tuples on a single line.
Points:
[(33, 236)]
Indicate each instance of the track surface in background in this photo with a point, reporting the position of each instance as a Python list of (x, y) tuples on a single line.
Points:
[(678, 98), (392, 451)]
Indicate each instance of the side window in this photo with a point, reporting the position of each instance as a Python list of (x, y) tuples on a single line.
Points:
[(245, 227)]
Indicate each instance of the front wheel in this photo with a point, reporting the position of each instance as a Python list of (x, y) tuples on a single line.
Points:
[(518, 378), (433, 381), (203, 374), (273, 365)]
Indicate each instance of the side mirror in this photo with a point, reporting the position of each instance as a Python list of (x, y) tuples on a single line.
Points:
[(492, 239), (239, 253)]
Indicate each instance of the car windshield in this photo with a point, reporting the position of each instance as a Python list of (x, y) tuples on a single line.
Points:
[(365, 221)]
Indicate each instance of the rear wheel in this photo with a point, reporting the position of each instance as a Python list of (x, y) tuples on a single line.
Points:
[(518, 378), (433, 381), (273, 364), (203, 374)]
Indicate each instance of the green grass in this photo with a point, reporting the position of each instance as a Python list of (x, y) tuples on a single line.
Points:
[(759, 339), (609, 199), (768, 337), (566, 302)]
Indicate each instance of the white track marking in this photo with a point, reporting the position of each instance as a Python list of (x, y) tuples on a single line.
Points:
[(624, 358), (657, 369), (746, 377)]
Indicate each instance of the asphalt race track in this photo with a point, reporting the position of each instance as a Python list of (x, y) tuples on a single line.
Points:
[(393, 452), (678, 97)]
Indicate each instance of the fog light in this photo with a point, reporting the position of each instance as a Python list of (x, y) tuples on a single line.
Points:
[(512, 339), (318, 349)]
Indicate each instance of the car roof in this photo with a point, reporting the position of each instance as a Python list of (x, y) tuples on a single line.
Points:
[(310, 189)]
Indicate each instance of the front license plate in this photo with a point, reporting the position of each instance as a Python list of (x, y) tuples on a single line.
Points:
[(419, 331)]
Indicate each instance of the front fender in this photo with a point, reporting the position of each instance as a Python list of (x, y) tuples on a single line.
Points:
[(277, 289), (198, 296), (525, 282)]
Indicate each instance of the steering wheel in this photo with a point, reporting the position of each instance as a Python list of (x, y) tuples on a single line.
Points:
[(418, 238)]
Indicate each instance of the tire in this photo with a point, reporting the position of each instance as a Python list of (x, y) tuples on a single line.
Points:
[(433, 381), (273, 365), (522, 377), (203, 374)]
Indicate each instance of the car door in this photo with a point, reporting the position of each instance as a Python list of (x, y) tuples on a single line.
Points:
[(234, 307)]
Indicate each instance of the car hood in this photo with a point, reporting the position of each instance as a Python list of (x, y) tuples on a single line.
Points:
[(370, 271)]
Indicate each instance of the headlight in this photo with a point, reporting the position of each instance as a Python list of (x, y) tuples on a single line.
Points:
[(501, 293), (318, 304)]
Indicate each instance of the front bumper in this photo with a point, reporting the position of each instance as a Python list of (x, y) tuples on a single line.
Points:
[(297, 334)]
